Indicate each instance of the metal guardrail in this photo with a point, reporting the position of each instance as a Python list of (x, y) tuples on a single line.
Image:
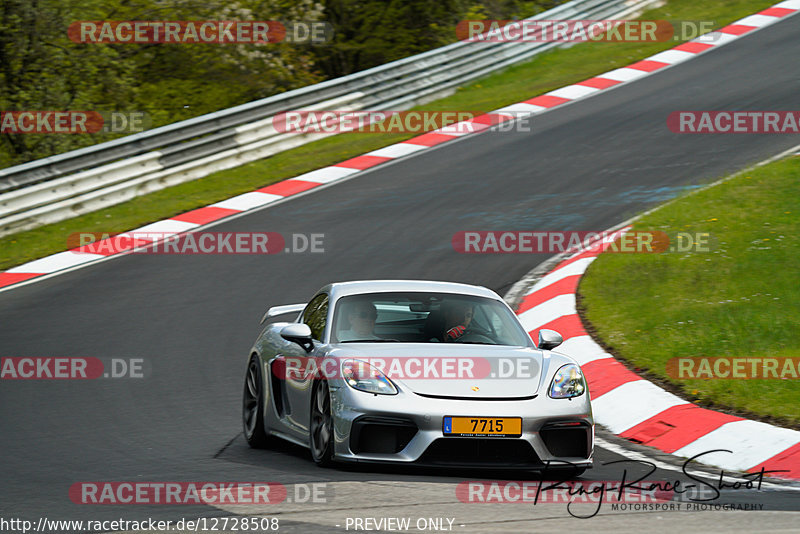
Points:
[(80, 181)]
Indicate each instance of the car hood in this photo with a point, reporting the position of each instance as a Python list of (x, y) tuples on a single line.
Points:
[(453, 370)]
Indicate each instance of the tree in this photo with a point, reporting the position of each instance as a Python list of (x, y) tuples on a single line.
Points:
[(374, 32), (42, 69)]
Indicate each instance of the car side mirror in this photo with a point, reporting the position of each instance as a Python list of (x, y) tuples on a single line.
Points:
[(549, 339), (299, 333)]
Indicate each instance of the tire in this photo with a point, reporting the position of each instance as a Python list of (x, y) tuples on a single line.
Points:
[(320, 439), (253, 406)]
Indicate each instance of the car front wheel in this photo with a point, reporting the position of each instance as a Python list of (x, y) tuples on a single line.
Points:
[(321, 438)]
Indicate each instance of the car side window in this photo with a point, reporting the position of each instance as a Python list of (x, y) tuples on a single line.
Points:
[(316, 314)]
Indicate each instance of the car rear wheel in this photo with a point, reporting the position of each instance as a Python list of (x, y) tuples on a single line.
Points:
[(253, 406), (321, 435)]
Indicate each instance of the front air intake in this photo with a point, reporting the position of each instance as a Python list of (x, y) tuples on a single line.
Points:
[(380, 435), (567, 440), (481, 452)]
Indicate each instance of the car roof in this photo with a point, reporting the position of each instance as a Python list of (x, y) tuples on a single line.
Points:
[(341, 289)]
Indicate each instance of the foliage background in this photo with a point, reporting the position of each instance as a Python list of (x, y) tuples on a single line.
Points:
[(41, 69)]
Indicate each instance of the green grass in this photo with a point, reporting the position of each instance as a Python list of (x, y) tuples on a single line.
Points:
[(742, 299), (521, 82)]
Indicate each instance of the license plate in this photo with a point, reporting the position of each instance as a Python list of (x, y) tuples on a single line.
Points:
[(482, 426)]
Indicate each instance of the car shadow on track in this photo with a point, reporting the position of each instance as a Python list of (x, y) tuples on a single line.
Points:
[(285, 456)]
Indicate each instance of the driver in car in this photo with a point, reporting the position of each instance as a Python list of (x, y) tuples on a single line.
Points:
[(457, 317), (362, 318)]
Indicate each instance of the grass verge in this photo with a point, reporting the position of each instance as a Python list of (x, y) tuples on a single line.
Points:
[(521, 82), (740, 300)]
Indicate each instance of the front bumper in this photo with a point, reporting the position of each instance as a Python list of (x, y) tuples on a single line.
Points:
[(407, 428)]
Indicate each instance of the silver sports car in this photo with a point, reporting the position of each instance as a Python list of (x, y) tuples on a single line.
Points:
[(430, 373)]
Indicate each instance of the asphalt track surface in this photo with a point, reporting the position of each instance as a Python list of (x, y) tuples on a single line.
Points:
[(585, 166)]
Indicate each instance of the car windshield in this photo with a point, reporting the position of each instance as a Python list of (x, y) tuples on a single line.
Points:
[(416, 317)]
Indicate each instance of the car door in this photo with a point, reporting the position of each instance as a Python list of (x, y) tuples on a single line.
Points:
[(300, 385)]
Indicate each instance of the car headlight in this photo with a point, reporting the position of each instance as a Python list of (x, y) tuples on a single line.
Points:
[(364, 377), (567, 383)]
